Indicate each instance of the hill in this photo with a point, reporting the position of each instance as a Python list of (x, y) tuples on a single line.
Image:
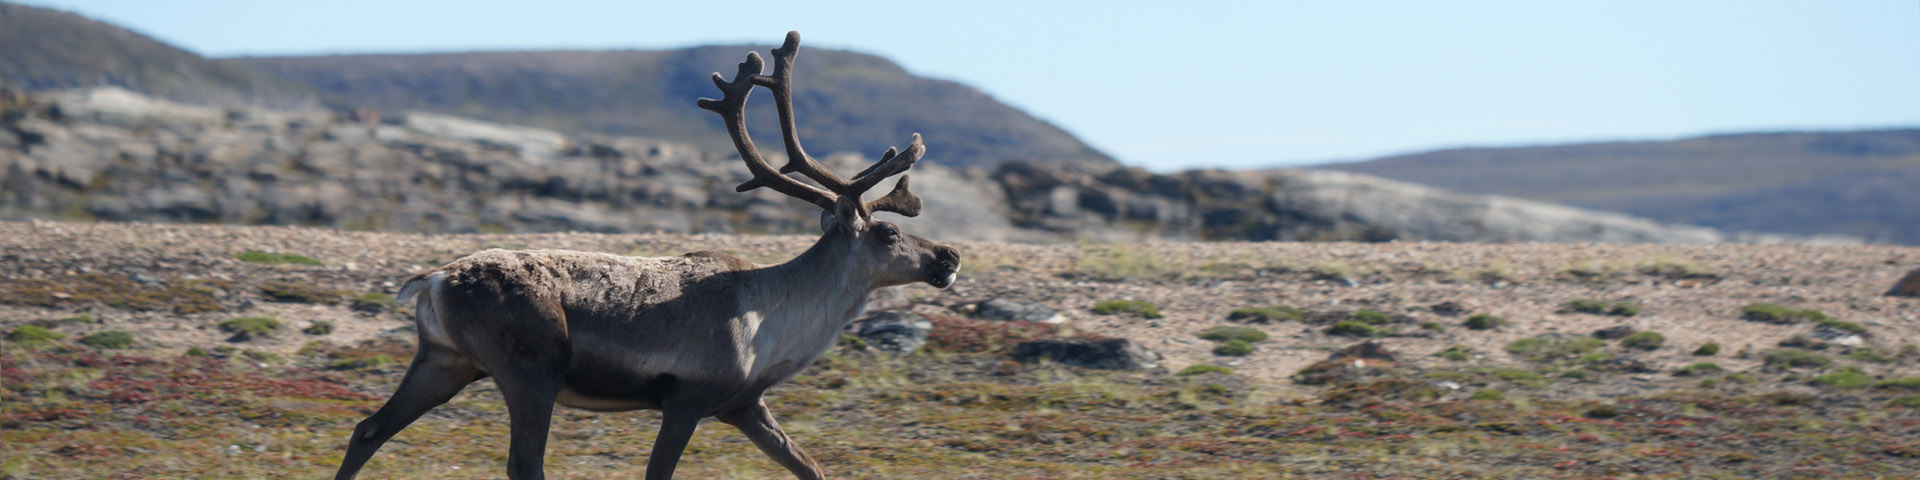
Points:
[(110, 154), (847, 101), (43, 49), (1860, 183), (1376, 375)]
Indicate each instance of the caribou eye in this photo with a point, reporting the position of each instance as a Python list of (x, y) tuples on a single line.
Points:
[(887, 232)]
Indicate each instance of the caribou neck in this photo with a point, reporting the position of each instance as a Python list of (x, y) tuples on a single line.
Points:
[(826, 275)]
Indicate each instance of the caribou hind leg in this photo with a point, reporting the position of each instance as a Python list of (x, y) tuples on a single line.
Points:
[(436, 375)]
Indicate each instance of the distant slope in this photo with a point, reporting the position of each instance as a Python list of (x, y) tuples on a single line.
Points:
[(42, 49), (846, 101), (1863, 183)]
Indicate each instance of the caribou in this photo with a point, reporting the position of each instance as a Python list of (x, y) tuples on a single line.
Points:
[(698, 335)]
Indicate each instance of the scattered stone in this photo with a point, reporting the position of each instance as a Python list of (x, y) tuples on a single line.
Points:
[(1003, 309), (894, 332), (1908, 286), (1369, 349), (1108, 354), (1613, 333)]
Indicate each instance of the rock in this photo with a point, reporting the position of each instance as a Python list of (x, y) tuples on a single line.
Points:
[(1368, 349), (1451, 309), (1622, 363), (890, 298), (1908, 286), (1837, 336), (1002, 309), (1613, 333), (1108, 354), (893, 331)]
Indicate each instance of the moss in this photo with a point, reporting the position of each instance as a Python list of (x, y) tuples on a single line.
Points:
[(319, 327), (1457, 353), (111, 339), (283, 291), (1227, 333), (196, 352), (1123, 262), (1276, 313), (115, 290), (1644, 340), (361, 362), (1434, 327), (1351, 328), (1707, 349), (1791, 358), (1489, 394), (1203, 369), (1776, 314), (245, 328), (33, 334), (1233, 348), (271, 258), (1909, 401), (1848, 377), (1133, 307), (1482, 321), (76, 319), (1697, 368), (1869, 356)]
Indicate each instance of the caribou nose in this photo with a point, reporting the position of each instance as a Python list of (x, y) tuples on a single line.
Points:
[(947, 257)]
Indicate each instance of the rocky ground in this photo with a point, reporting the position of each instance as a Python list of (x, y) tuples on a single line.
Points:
[(1832, 395)]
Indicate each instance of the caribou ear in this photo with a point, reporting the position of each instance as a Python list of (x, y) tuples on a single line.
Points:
[(826, 221)]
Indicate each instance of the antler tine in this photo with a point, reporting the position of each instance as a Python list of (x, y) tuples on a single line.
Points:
[(781, 83), (889, 165), (899, 200), (732, 108)]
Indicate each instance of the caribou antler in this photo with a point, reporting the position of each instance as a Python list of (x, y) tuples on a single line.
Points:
[(732, 108)]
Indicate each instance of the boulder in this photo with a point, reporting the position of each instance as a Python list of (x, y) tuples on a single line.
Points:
[(1107, 354), (1613, 333), (1002, 309), (1908, 286), (893, 331)]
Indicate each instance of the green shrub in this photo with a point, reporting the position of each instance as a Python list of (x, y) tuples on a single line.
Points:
[(1772, 313), (196, 352), (1227, 333), (300, 292), (81, 318), (1458, 353), (1840, 325), (1541, 349), (1434, 327), (111, 339), (1908, 383), (1489, 394), (1847, 377), (271, 258), (249, 327), (375, 301), (1233, 348), (1203, 369), (1276, 313), (1371, 317), (1707, 349), (1135, 307), (319, 327), (360, 362), (1909, 401), (1791, 358), (1596, 307), (1483, 321), (1351, 328), (1868, 355), (1644, 340), (34, 334), (1697, 368)]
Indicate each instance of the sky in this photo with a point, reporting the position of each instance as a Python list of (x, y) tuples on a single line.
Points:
[(1169, 85)]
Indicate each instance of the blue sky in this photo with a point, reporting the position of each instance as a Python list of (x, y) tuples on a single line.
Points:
[(1169, 85)]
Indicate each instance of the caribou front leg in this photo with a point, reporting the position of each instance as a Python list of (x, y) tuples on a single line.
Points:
[(676, 429), (758, 424)]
